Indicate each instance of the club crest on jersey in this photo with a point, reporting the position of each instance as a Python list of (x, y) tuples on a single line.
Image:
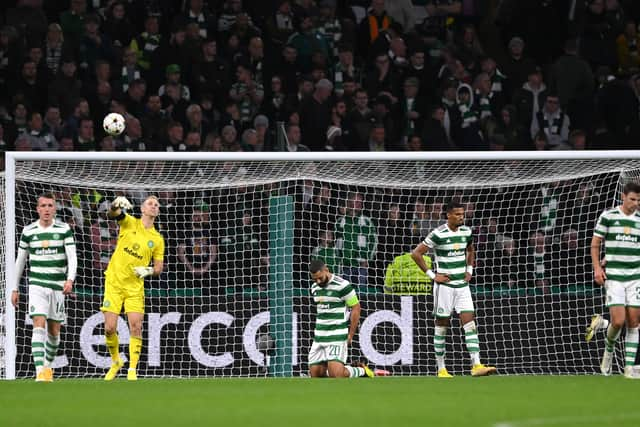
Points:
[(56, 236), (150, 243)]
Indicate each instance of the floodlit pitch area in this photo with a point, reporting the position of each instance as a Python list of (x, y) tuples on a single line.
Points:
[(516, 401)]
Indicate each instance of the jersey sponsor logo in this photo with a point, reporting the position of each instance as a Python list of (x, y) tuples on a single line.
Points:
[(150, 243), (133, 253), (46, 251), (616, 223), (455, 253), (323, 306), (456, 246), (35, 238), (627, 238), (627, 230), (448, 240), (45, 244)]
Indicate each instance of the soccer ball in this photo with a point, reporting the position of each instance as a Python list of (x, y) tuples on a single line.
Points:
[(113, 124)]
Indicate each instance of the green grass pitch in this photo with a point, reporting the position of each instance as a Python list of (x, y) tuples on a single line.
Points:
[(516, 401)]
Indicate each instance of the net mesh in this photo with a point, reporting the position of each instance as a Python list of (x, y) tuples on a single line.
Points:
[(234, 297)]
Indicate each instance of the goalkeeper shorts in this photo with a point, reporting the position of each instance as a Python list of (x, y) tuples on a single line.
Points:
[(116, 296), (329, 352)]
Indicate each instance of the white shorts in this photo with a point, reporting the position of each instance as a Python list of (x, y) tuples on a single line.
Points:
[(46, 302), (330, 352), (446, 300), (623, 293)]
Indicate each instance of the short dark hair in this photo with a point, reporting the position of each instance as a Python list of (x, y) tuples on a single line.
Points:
[(46, 195), (631, 187), (454, 204), (316, 265)]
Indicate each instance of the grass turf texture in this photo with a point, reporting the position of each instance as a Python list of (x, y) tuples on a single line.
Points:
[(517, 401)]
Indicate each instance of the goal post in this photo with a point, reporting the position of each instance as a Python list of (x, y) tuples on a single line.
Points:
[(241, 228)]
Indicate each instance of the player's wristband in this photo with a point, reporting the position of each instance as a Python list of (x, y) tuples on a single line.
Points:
[(431, 274), (470, 270)]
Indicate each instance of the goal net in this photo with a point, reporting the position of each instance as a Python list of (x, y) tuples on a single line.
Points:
[(240, 231)]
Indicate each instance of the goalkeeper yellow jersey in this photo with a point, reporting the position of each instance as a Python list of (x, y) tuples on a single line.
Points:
[(136, 247)]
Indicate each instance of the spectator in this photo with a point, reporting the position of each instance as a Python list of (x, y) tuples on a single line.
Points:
[(66, 89), (471, 137), (402, 12), (264, 136), (280, 26), (554, 122), (107, 143), (356, 241), (412, 109), (247, 93), (307, 41), (175, 136), (345, 67), (434, 134), (146, 43), (573, 80), (55, 48), (315, 116), (326, 251), (211, 74), (394, 236), (195, 13), (94, 45), (293, 140), (154, 119), (85, 140), (53, 122), (578, 139), (377, 140), (72, 21), (517, 66), (230, 10), (134, 97), (628, 48), (539, 258), (117, 25), (30, 89), (509, 133), (132, 140), (173, 76), (529, 99), (198, 251), (40, 139), (130, 70), (376, 21)]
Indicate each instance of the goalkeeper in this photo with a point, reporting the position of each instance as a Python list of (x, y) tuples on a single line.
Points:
[(138, 243)]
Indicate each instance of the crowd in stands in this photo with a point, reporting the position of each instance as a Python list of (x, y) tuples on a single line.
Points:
[(198, 75)]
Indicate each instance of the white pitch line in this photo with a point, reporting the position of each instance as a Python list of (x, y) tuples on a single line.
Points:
[(583, 420)]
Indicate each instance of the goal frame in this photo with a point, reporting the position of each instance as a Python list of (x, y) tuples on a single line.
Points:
[(12, 157)]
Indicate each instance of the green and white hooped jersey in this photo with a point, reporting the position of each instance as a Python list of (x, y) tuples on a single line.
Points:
[(621, 235), (332, 302), (47, 256), (451, 252)]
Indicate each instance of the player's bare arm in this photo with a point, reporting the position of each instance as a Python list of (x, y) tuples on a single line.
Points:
[(355, 320), (598, 272), (418, 256), (471, 261)]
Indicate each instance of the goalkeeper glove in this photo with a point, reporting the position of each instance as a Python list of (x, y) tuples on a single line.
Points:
[(121, 203), (143, 272)]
